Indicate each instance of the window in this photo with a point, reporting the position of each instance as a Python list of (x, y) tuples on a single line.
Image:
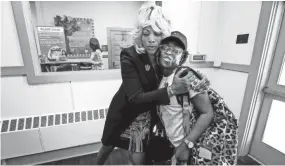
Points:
[(273, 134), (68, 41)]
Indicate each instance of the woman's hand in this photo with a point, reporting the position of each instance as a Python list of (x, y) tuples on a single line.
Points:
[(182, 85), (200, 85), (182, 153)]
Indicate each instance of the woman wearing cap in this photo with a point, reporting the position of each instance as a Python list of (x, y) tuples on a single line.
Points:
[(198, 123), (133, 108)]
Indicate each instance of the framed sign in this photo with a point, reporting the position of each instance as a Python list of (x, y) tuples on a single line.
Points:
[(78, 32), (51, 40)]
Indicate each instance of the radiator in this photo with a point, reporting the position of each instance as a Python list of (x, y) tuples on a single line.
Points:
[(38, 134)]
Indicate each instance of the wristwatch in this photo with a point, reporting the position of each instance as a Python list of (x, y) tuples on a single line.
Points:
[(189, 143)]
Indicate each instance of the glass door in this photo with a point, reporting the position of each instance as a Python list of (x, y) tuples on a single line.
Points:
[(268, 144)]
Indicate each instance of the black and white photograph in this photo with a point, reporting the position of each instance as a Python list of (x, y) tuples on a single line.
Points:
[(172, 82)]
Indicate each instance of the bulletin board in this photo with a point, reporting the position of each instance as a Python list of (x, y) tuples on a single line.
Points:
[(78, 32)]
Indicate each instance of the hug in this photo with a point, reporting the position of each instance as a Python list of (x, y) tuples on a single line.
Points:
[(162, 98)]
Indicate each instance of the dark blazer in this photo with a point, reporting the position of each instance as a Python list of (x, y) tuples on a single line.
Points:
[(138, 93)]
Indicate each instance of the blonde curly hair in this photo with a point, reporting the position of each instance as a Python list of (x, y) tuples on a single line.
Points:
[(150, 15)]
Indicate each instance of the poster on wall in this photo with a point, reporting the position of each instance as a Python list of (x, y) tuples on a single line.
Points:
[(78, 46), (78, 32), (51, 42), (52, 46)]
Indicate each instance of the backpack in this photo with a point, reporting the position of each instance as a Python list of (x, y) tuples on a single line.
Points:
[(222, 132)]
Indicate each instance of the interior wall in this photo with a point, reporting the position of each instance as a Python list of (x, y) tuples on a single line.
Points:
[(211, 27), (11, 52), (220, 24), (210, 23), (185, 17), (21, 99), (240, 18)]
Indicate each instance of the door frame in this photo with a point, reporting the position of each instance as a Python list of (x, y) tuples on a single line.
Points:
[(272, 91), (265, 43), (109, 29)]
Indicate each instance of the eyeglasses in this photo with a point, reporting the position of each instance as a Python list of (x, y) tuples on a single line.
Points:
[(174, 50)]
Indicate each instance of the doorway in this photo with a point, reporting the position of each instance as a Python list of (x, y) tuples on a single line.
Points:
[(262, 124), (118, 38)]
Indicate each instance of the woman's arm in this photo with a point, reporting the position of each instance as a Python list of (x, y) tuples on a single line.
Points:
[(199, 97), (203, 105), (133, 87)]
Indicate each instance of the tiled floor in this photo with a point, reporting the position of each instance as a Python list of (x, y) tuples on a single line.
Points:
[(117, 159)]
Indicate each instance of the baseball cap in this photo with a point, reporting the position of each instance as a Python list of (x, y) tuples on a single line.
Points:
[(177, 36)]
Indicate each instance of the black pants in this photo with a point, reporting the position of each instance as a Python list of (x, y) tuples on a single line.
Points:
[(159, 151)]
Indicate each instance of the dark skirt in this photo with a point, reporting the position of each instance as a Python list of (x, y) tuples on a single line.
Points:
[(124, 120), (132, 136), (136, 135), (129, 128)]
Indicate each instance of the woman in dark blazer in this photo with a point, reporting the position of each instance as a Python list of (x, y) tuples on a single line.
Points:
[(132, 111)]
